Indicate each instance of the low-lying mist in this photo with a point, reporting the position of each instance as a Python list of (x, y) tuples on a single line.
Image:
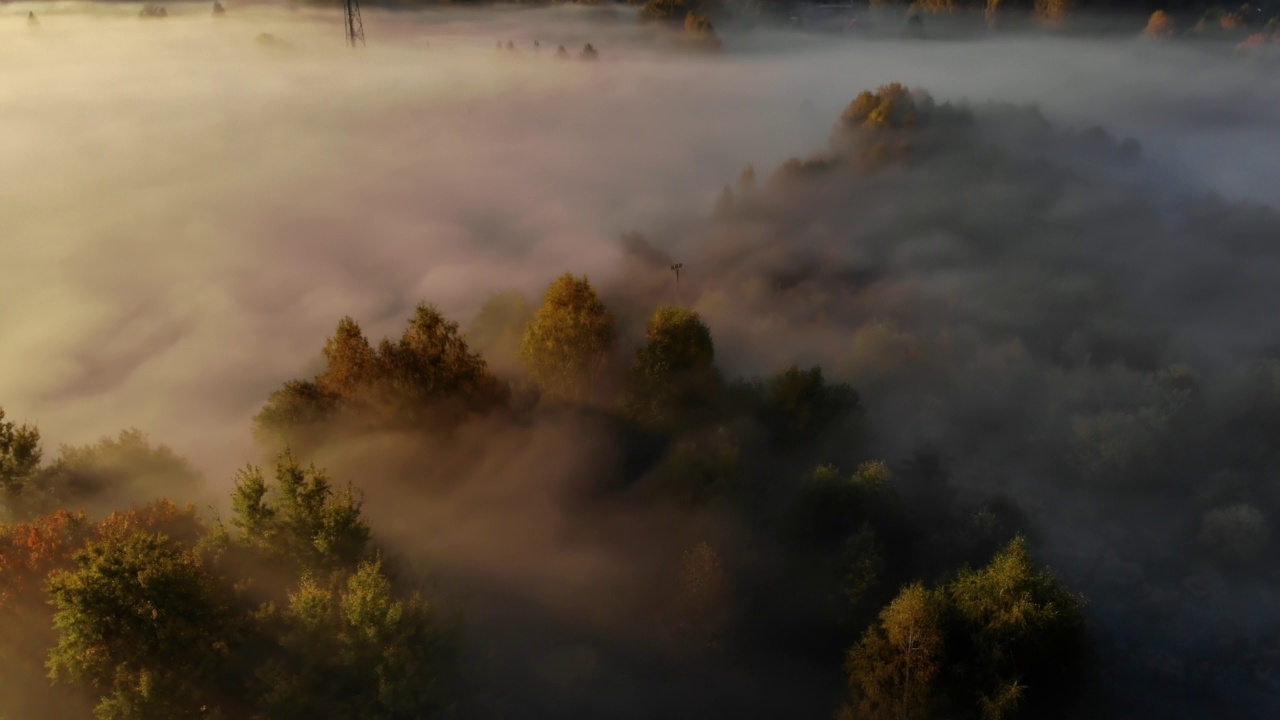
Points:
[(1067, 318), (188, 211)]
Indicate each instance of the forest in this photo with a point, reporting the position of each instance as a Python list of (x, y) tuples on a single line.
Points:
[(757, 525), (763, 383)]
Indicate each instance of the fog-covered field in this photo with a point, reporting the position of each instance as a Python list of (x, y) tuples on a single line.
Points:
[(187, 209)]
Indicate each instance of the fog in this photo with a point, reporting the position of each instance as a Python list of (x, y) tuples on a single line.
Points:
[(188, 211)]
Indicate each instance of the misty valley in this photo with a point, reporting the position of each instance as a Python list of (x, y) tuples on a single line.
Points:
[(675, 359)]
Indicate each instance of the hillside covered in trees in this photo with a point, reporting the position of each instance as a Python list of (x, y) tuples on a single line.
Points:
[(1026, 469)]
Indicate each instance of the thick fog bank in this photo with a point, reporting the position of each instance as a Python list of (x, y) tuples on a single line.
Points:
[(188, 210), (190, 204)]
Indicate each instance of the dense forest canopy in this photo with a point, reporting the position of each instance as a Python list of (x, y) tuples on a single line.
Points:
[(969, 411)]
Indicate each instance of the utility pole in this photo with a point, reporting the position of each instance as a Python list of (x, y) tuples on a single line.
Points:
[(677, 267), (355, 26)]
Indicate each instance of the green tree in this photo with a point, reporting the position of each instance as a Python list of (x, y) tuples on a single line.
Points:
[(358, 651), (698, 471), (568, 342), (144, 624), (1004, 641), (665, 10), (861, 576), (295, 413), (701, 601), (117, 471), (299, 517), (674, 378), (798, 405), (20, 456), (1017, 637), (828, 508)]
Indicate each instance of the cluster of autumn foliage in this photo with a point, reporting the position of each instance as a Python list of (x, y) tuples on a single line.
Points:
[(288, 610)]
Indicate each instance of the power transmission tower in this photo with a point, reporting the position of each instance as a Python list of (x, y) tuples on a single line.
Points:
[(355, 26), (677, 267)]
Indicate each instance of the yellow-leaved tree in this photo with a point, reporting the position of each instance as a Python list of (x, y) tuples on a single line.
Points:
[(569, 340)]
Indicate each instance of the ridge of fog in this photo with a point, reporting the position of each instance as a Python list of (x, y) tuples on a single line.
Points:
[(187, 213)]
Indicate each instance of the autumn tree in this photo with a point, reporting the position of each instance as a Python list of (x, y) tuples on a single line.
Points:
[(991, 12), (431, 367), (699, 32), (29, 553), (1003, 641), (350, 363), (1160, 25), (894, 669), (1053, 13), (568, 343), (428, 376)]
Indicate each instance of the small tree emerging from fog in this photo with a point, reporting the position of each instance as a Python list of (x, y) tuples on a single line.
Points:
[(20, 455), (801, 404), (496, 330), (297, 515), (674, 376), (1053, 13), (1237, 533), (699, 32), (1160, 25), (569, 340), (991, 12), (668, 10), (702, 600)]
